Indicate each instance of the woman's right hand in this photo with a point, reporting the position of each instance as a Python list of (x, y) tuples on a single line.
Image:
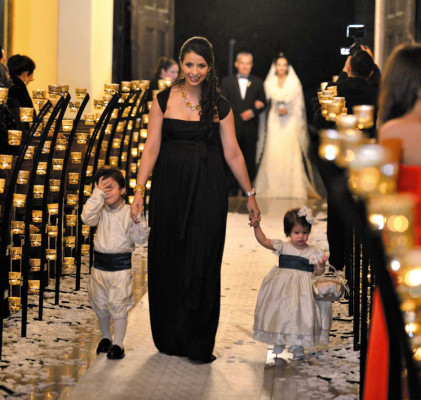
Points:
[(136, 208)]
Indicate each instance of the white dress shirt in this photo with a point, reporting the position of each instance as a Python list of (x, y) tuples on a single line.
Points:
[(243, 83)]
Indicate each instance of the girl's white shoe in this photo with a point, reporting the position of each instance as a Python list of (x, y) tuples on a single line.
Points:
[(298, 352), (278, 349)]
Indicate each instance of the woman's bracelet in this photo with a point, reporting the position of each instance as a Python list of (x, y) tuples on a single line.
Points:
[(140, 188), (252, 193)]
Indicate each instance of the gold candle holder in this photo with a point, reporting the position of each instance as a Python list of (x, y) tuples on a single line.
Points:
[(120, 127), (19, 200), (17, 227), (70, 241), (144, 133), (36, 216), (323, 85), (74, 106), (15, 277), (35, 239), (114, 161), (72, 199), (98, 104), (114, 113), (161, 84), (111, 88), (73, 178), (40, 103), (124, 156), (53, 208), (133, 168), (85, 248), (86, 229), (51, 254), (132, 183), (87, 190), (61, 144), (23, 177), (38, 191), (104, 145), (71, 219), (6, 161), (16, 253), (81, 93), (145, 119), (41, 168), (89, 119), (130, 125), (126, 112), (101, 162), (333, 109), (54, 100), (35, 264), (54, 185), (69, 262), (148, 185), (57, 164), (14, 137), (365, 116), (116, 143), (133, 151), (14, 304), (26, 114), (4, 93), (346, 122), (63, 88), (52, 230), (135, 85), (47, 147), (2, 184), (106, 98), (29, 154), (126, 86), (131, 198), (149, 105), (53, 90), (39, 94), (144, 84), (89, 170), (141, 147), (350, 141), (329, 144), (81, 138), (67, 125), (33, 286)]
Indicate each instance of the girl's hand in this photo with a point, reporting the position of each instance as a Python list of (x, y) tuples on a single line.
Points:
[(324, 259), (137, 207), (253, 209)]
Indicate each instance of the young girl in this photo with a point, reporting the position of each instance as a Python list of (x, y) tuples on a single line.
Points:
[(286, 311)]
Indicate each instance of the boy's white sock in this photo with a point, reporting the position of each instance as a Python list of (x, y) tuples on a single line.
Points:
[(104, 325), (120, 326)]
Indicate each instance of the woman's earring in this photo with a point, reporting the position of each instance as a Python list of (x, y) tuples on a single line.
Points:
[(181, 76)]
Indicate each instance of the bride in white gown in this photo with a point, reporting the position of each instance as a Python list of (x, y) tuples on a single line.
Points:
[(282, 172)]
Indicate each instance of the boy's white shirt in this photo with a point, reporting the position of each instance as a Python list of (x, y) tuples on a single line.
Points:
[(116, 232)]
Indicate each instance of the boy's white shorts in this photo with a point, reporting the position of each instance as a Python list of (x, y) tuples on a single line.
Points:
[(111, 292)]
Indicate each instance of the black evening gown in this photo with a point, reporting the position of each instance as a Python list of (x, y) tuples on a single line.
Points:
[(188, 209)]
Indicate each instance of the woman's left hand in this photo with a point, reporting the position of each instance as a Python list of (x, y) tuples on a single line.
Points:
[(253, 209)]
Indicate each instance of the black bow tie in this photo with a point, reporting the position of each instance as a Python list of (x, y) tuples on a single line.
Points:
[(242, 76)]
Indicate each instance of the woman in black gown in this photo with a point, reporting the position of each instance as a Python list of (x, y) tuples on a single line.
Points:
[(191, 132)]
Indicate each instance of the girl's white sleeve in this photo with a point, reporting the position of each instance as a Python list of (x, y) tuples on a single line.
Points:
[(278, 247), (92, 208), (139, 233)]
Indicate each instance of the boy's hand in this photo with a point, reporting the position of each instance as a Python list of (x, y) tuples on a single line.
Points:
[(102, 184)]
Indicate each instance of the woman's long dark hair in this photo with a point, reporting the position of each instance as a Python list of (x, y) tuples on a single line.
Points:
[(401, 82), (211, 92)]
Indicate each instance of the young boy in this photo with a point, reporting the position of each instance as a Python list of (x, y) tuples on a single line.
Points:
[(110, 286)]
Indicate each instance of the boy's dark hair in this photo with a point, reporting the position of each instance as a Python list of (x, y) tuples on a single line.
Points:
[(19, 64), (107, 171), (291, 218), (362, 64)]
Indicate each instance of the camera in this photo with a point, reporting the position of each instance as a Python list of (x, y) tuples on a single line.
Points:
[(356, 33)]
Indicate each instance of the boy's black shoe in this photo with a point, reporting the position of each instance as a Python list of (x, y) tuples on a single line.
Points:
[(115, 353), (103, 346)]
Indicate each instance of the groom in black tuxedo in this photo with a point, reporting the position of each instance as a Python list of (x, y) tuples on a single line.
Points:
[(246, 95)]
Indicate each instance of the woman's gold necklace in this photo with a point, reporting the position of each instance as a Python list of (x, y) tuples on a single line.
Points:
[(187, 101)]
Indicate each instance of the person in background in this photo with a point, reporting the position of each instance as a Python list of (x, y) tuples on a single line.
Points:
[(166, 68), (5, 80), (21, 69)]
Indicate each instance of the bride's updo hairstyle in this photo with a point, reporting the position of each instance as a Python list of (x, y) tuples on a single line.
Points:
[(291, 218), (211, 92), (278, 56)]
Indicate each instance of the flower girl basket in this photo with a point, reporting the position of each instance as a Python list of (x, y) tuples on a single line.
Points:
[(329, 287)]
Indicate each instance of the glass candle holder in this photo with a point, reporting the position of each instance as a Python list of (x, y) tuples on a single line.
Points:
[(26, 114), (54, 100), (132, 183), (67, 125), (71, 219), (98, 104), (85, 248), (4, 93), (126, 112), (365, 116), (334, 109), (143, 133), (111, 88), (148, 185), (23, 177), (114, 113), (69, 262), (70, 241), (39, 129), (114, 161), (14, 137), (133, 168), (73, 178), (124, 156), (133, 151), (116, 143), (51, 254), (81, 93), (76, 157), (36, 216), (81, 138), (57, 164), (346, 122), (38, 191), (17, 227), (39, 94), (101, 162), (144, 84), (89, 119), (135, 84), (16, 253), (14, 304), (41, 168), (89, 170), (106, 98), (61, 144), (87, 190), (35, 239), (53, 90), (6, 161), (52, 230), (19, 200), (63, 88), (126, 86), (72, 199), (33, 286), (131, 198), (141, 147), (52, 208), (29, 154), (329, 144), (35, 264), (145, 119), (74, 106), (54, 185), (2, 184), (104, 145), (149, 105), (351, 140), (47, 147), (86, 229)]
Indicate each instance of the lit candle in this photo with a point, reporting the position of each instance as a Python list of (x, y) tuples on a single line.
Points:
[(36, 216), (19, 200), (51, 254), (73, 178), (71, 219), (52, 230), (76, 157), (14, 137), (35, 264), (38, 191), (55, 185), (6, 161), (17, 227), (53, 208)]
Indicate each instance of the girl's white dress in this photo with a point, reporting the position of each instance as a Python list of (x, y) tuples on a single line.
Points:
[(286, 311)]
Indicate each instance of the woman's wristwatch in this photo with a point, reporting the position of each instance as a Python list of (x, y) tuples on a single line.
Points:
[(252, 193), (140, 188)]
